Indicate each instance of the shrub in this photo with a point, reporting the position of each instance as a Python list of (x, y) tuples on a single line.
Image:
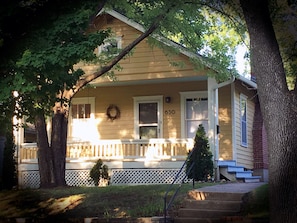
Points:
[(99, 171), (201, 158)]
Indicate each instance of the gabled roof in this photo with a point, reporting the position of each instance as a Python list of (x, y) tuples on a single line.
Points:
[(168, 42)]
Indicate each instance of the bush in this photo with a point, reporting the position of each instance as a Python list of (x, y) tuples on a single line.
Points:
[(99, 171), (201, 158)]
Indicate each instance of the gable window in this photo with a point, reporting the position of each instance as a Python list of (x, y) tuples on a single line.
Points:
[(243, 119), (110, 46)]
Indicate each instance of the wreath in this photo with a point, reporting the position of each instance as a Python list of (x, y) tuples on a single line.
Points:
[(113, 112)]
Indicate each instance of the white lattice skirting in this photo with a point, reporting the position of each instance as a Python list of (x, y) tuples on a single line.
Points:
[(30, 179)]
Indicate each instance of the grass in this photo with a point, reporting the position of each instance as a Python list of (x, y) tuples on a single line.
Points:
[(80, 202), (258, 203), (128, 202)]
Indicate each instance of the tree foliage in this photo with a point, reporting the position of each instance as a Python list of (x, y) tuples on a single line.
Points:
[(37, 60), (201, 158), (99, 171)]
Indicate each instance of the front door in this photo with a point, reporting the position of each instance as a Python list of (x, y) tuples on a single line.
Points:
[(195, 112), (148, 117)]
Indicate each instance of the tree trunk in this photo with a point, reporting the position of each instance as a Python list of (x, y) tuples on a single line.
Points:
[(59, 144), (278, 106), (43, 153)]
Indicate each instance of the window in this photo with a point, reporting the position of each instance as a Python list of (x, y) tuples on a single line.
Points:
[(110, 47), (148, 120), (82, 122), (148, 117), (81, 111), (194, 112), (243, 119)]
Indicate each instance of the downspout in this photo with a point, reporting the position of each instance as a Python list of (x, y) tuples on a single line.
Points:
[(216, 122)]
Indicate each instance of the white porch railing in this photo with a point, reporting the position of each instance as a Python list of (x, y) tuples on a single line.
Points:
[(126, 149)]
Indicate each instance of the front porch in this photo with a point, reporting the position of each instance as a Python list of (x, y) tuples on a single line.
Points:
[(130, 161)]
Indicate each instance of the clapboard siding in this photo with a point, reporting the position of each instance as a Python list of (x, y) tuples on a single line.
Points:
[(225, 122), (244, 153), (146, 62), (122, 96)]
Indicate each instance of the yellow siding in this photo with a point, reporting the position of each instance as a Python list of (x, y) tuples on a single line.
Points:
[(225, 122), (145, 62), (244, 154), (122, 96)]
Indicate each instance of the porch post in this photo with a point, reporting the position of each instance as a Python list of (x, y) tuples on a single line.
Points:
[(18, 134), (213, 122)]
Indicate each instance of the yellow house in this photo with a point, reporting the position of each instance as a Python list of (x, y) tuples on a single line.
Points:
[(142, 122)]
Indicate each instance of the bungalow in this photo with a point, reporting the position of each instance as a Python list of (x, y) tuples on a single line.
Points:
[(142, 122)]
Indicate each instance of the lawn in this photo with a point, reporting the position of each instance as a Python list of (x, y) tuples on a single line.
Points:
[(72, 204), (81, 202)]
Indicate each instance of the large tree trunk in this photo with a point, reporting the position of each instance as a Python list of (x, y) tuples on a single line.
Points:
[(278, 106), (58, 145), (44, 153)]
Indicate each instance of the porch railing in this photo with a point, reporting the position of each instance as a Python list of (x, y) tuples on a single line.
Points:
[(119, 149)]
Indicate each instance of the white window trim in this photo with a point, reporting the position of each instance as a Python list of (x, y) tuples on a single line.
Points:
[(243, 97), (184, 96), (156, 98), (82, 100)]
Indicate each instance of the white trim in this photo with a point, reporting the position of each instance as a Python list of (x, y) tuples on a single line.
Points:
[(183, 97), (243, 97), (247, 81), (123, 19), (81, 100), (155, 98)]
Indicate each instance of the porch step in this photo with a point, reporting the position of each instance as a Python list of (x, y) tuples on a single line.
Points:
[(209, 207), (232, 172)]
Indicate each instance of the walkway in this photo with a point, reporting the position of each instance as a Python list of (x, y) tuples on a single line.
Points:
[(232, 187)]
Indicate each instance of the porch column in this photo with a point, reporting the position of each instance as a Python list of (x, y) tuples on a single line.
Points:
[(213, 122)]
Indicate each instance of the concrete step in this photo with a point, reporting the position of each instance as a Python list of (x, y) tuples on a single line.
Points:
[(252, 179), (204, 213), (232, 172), (201, 195), (212, 204), (244, 174), (197, 220), (226, 163), (231, 169)]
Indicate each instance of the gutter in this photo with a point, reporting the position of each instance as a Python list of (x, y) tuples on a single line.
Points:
[(225, 83)]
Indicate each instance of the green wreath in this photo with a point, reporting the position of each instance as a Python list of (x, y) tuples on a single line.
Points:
[(113, 112)]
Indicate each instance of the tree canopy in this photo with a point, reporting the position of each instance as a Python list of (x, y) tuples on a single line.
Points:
[(37, 60)]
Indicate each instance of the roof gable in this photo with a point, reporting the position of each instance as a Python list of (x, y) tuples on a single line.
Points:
[(168, 42)]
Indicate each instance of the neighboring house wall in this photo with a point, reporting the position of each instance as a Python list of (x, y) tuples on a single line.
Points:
[(244, 151)]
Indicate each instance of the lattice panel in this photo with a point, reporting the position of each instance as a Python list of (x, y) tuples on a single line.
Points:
[(145, 176), (78, 178), (31, 179)]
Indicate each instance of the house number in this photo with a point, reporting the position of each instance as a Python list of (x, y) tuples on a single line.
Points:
[(169, 112)]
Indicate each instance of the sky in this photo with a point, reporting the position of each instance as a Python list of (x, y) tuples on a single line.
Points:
[(242, 64)]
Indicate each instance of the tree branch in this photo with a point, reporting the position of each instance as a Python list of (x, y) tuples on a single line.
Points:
[(83, 82)]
